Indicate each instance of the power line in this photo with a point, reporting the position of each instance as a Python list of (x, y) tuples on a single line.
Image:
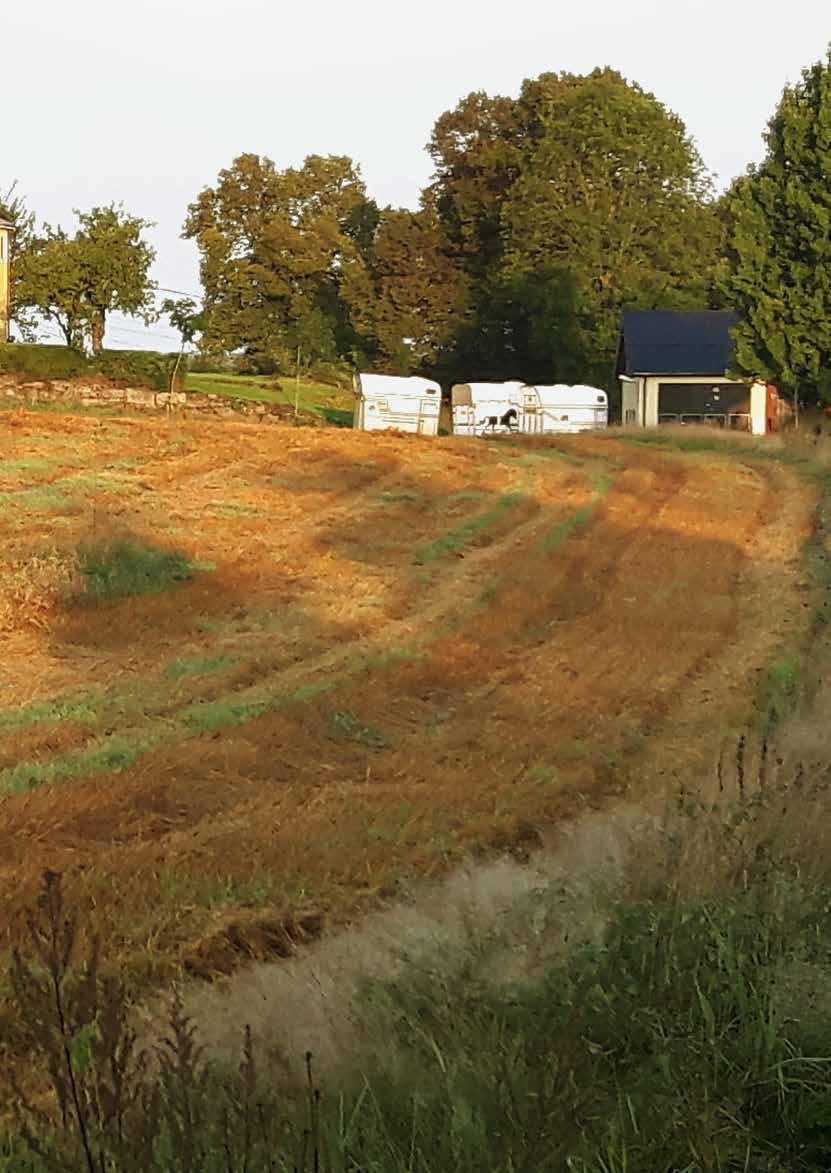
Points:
[(180, 292)]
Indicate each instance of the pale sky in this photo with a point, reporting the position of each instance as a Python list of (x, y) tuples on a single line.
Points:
[(143, 101)]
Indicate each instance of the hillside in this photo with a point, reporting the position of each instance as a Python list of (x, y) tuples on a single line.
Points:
[(372, 655)]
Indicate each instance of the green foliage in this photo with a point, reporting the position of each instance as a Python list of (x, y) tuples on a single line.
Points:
[(778, 267), (580, 198), (411, 297), (75, 280), (142, 368), (139, 368), (687, 1032), (276, 248), (121, 567), (43, 362), (611, 194)]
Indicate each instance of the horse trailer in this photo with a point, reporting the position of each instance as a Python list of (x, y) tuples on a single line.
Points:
[(481, 409)]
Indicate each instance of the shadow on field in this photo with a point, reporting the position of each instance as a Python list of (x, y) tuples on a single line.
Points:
[(544, 671)]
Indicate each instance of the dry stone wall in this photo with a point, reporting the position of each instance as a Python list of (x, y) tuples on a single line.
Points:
[(88, 394)]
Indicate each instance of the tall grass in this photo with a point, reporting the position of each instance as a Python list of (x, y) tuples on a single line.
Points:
[(690, 1030)]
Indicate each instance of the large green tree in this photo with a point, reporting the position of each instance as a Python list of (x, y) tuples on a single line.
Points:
[(777, 272), (580, 198), (276, 248), (612, 193), (410, 298), (76, 280)]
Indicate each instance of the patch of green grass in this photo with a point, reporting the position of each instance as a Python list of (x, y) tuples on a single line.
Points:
[(27, 464), (217, 891), (208, 717), (465, 534), (579, 519), (110, 753), (350, 727), (90, 484), (778, 693), (177, 669), (123, 567), (41, 499), (334, 404), (542, 775), (81, 711)]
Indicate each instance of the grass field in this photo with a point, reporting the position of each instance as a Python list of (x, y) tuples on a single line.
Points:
[(334, 404), (254, 683)]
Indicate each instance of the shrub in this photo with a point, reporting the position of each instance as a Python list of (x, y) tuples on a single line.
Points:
[(690, 1033), (141, 368), (119, 567), (42, 362)]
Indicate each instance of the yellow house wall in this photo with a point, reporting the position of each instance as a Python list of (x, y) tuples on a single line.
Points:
[(5, 285)]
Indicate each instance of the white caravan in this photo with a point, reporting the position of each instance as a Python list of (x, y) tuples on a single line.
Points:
[(393, 401), (481, 409)]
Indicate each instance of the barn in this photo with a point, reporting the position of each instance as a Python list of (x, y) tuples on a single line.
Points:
[(672, 366)]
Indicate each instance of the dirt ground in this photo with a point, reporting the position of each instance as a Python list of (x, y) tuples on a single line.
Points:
[(397, 653)]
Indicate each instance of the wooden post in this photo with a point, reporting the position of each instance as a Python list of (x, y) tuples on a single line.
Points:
[(297, 385)]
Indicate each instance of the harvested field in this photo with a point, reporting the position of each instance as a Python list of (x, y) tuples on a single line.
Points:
[(392, 652)]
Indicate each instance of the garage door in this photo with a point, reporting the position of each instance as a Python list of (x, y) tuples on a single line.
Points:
[(721, 404)]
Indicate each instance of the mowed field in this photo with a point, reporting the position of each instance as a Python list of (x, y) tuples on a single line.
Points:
[(393, 652)]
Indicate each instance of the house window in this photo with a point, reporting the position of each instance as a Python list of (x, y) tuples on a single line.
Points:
[(4, 246)]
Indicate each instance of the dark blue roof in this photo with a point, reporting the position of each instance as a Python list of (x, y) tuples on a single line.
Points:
[(672, 342)]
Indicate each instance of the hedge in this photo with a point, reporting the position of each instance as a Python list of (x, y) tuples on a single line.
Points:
[(43, 362), (139, 368)]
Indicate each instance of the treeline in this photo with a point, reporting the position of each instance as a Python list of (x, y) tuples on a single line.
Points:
[(546, 216)]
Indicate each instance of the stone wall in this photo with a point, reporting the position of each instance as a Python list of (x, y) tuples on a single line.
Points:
[(88, 394)]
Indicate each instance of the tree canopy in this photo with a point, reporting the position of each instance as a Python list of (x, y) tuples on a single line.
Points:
[(777, 270), (547, 214), (276, 248), (76, 280)]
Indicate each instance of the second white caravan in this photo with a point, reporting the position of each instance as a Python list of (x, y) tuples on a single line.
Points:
[(481, 409)]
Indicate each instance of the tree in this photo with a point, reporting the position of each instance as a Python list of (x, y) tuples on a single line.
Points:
[(410, 297), (612, 192), (777, 273), (184, 316), (75, 281), (564, 206), (48, 281), (115, 264), (524, 328), (476, 148), (276, 248)]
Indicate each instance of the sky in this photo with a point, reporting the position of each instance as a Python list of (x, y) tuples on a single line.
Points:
[(144, 101)]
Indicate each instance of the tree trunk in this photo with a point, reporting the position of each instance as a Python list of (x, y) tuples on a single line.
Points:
[(97, 332)]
